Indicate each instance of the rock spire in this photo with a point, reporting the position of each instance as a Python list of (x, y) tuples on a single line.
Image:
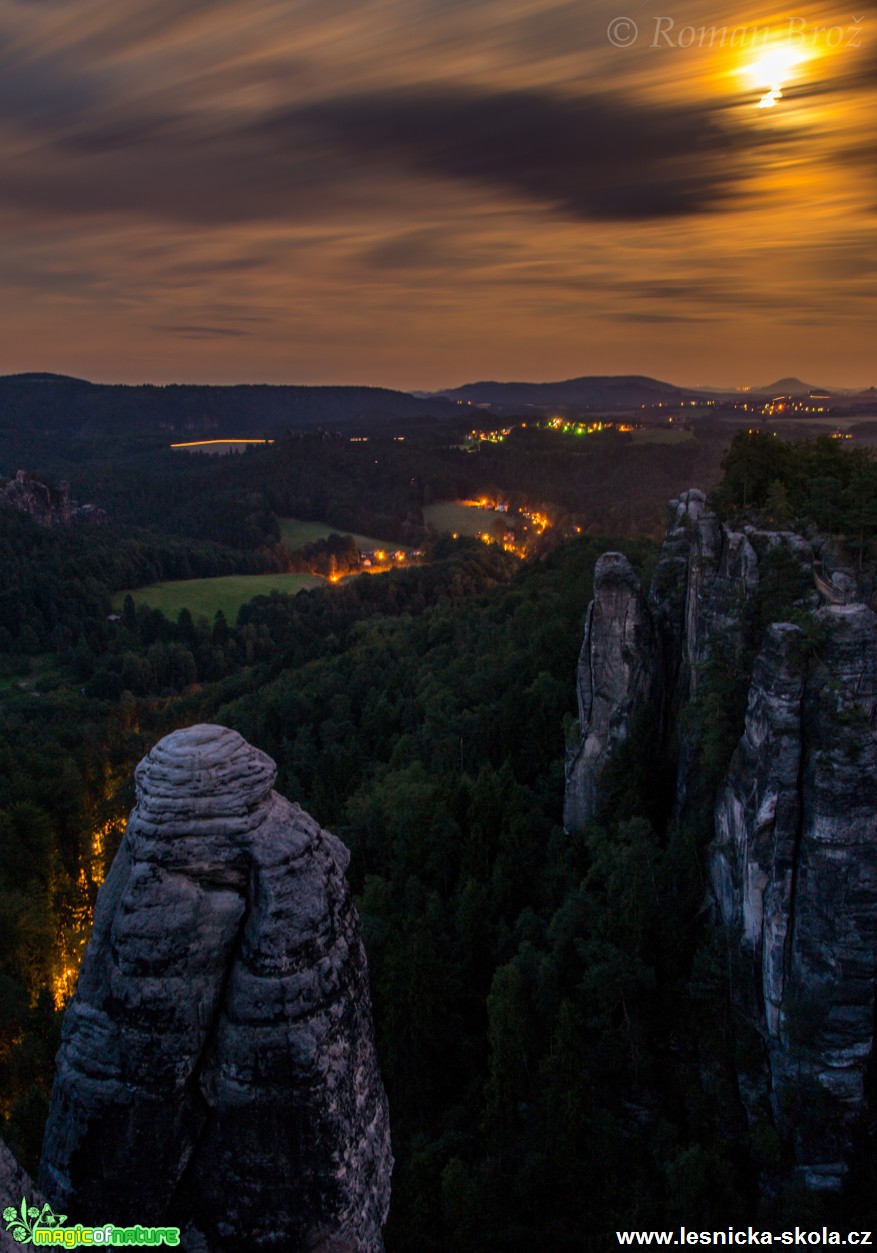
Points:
[(218, 1070), (792, 846)]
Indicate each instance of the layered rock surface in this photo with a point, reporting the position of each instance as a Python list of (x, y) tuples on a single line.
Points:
[(793, 854), (218, 1069), (794, 869)]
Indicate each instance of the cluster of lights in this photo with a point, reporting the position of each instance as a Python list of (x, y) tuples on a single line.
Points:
[(578, 428), (538, 520), (508, 542), (692, 404), (71, 944), (565, 427), (782, 404), (73, 939), (491, 437), (378, 562), (483, 502)]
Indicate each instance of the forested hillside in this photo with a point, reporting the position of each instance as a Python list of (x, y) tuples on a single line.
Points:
[(553, 1015), (53, 404)]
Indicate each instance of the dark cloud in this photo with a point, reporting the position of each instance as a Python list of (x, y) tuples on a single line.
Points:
[(595, 158), (598, 159)]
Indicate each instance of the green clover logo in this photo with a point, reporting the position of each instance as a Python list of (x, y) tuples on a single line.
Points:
[(22, 1223)]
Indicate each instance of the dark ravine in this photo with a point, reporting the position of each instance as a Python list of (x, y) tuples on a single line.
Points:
[(217, 1070), (792, 857)]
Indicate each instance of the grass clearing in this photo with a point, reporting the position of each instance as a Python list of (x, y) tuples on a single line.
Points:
[(207, 596), (453, 517), (295, 534)]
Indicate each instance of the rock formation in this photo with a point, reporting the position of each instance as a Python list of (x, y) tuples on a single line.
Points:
[(794, 870), (217, 1070), (15, 1184), (793, 851), (49, 506), (616, 678)]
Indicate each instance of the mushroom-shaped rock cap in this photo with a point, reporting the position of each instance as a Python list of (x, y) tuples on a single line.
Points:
[(204, 766), (614, 568)]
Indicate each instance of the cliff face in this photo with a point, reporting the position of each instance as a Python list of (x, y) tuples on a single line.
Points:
[(616, 680), (643, 654), (47, 505), (794, 870), (217, 1069), (792, 854)]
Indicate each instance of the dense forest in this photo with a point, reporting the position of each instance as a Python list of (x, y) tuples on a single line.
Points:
[(55, 404), (552, 1012), (604, 482)]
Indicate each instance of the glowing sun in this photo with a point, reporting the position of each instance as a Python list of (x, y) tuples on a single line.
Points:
[(772, 70)]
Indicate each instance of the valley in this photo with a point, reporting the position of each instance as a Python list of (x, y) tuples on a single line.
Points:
[(552, 1011)]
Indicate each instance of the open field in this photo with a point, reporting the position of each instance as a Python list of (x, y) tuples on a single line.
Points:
[(207, 596), (295, 534), (453, 517)]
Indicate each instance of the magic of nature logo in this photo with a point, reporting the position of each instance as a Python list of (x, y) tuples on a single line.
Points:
[(33, 1224)]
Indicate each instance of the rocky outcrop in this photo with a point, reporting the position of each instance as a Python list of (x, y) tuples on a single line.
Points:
[(794, 869), (644, 655), (706, 583), (669, 590), (49, 506), (615, 681), (15, 1186), (217, 1069), (792, 853)]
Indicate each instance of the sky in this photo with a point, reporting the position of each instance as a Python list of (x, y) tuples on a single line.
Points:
[(422, 193)]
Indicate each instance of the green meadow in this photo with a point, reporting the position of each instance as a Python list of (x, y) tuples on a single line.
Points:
[(207, 596), (452, 517), (296, 534)]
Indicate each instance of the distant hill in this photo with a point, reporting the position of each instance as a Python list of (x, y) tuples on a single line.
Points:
[(790, 387), (595, 392), (52, 404)]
